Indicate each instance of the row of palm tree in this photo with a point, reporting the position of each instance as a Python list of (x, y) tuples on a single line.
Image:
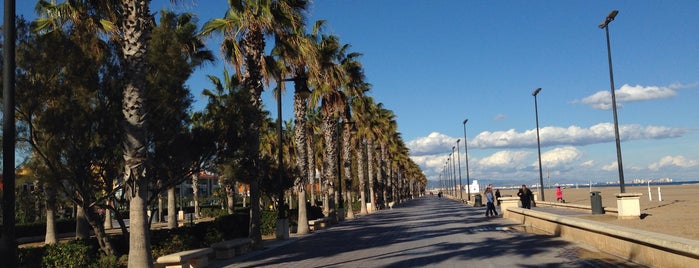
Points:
[(233, 134)]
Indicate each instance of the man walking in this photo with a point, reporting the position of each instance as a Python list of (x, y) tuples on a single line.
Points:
[(525, 196)]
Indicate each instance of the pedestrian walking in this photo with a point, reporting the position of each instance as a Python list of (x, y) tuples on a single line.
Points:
[(559, 194), (497, 196), (490, 203), (525, 196)]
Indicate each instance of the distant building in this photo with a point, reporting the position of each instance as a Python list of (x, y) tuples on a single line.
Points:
[(208, 182)]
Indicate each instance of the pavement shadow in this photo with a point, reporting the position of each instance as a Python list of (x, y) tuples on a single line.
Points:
[(435, 232)]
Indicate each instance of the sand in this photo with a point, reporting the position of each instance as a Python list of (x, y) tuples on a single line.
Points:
[(677, 214)]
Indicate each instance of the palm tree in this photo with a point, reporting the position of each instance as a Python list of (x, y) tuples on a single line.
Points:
[(332, 103), (297, 55), (355, 89), (244, 28)]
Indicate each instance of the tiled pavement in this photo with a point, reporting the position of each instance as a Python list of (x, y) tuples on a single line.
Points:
[(426, 232)]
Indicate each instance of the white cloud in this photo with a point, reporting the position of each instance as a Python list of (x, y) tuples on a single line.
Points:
[(588, 163), (500, 117), (611, 167), (434, 143), (572, 135), (560, 156), (602, 99), (503, 159), (673, 161)]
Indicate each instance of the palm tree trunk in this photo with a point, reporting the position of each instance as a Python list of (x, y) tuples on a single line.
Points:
[(195, 193), (160, 207), (311, 165), (371, 172), (347, 167), (360, 175), (383, 170), (139, 233), (171, 208), (230, 199), (50, 216), (301, 155), (330, 157), (135, 27)]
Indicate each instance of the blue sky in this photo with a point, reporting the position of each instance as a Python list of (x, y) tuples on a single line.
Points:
[(436, 63)]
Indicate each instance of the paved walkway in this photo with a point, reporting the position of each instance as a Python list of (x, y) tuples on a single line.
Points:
[(426, 232)]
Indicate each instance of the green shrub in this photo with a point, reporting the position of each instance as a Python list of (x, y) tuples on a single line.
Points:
[(105, 261), (234, 225), (172, 244), (76, 253), (30, 256), (268, 221)]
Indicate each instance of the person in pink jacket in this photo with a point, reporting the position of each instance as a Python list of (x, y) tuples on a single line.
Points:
[(559, 195)]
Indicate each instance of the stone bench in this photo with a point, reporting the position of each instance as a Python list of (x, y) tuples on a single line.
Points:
[(231, 248), (191, 258), (318, 224)]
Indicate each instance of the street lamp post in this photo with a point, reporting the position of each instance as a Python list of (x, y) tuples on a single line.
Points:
[(468, 183), (453, 168), (8, 246), (282, 229), (605, 25), (538, 144), (458, 156)]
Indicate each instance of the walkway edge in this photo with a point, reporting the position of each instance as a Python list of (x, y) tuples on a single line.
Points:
[(643, 247)]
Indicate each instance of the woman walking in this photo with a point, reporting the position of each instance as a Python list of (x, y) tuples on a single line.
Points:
[(490, 203)]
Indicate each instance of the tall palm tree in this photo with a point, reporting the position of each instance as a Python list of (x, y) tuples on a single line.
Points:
[(244, 27), (354, 88), (297, 53), (332, 103)]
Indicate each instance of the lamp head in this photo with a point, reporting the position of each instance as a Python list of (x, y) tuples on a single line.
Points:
[(536, 91), (465, 120), (303, 93), (609, 19), (458, 140)]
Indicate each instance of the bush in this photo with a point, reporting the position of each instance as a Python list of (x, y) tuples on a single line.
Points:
[(76, 253), (233, 225), (30, 256), (172, 244), (268, 222)]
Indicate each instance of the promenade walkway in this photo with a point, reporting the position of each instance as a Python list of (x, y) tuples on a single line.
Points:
[(426, 232)]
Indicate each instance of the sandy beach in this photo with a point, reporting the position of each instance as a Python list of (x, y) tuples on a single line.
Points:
[(677, 214)]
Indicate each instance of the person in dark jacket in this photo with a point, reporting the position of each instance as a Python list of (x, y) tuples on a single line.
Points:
[(525, 196)]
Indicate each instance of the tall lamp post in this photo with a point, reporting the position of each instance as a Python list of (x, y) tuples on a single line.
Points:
[(282, 230), (453, 168), (468, 183), (461, 186), (8, 245), (538, 144), (605, 25)]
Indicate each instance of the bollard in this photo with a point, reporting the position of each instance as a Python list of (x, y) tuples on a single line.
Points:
[(596, 203)]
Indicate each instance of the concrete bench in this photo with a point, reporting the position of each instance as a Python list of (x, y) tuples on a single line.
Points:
[(318, 224), (231, 248), (185, 259)]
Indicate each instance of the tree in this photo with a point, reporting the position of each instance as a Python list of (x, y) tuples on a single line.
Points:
[(175, 51), (70, 113), (297, 58), (244, 28)]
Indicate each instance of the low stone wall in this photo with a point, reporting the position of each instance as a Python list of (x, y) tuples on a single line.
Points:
[(643, 247), (575, 206)]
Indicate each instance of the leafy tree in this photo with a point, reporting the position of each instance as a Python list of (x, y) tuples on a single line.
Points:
[(244, 28), (175, 51), (71, 114)]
